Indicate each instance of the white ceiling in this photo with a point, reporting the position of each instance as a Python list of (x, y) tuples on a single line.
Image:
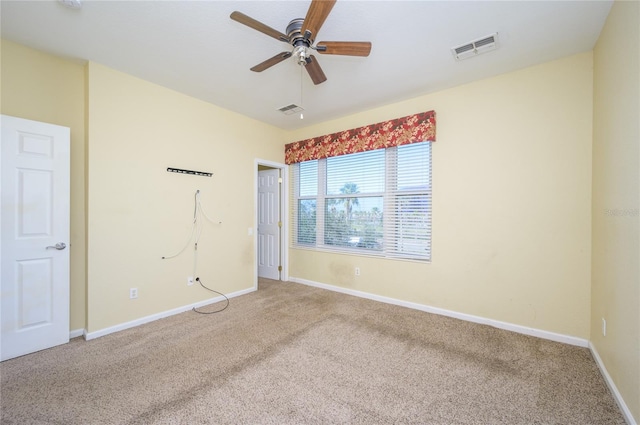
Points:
[(195, 48)]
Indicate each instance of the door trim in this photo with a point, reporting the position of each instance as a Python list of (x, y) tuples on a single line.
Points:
[(284, 214), (269, 222)]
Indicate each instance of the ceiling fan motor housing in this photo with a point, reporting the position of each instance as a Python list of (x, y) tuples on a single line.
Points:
[(297, 40), (294, 32)]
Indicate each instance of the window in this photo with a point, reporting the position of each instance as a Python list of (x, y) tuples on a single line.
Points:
[(375, 202)]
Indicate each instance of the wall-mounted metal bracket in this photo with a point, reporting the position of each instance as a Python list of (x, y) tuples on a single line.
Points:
[(181, 171)]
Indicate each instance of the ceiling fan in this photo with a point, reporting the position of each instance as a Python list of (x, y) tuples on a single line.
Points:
[(301, 34)]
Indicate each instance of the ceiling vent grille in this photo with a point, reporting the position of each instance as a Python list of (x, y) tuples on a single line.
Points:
[(291, 109), (476, 47)]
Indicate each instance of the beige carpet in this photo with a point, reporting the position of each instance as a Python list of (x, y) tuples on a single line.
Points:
[(291, 354)]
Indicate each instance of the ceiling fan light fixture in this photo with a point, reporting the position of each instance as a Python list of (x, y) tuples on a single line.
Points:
[(301, 54)]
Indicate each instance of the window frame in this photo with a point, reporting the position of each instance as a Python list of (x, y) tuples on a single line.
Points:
[(390, 214)]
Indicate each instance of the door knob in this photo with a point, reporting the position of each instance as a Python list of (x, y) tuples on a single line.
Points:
[(59, 246)]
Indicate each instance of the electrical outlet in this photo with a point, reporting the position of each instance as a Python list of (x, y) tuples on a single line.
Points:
[(604, 327), (190, 281), (357, 271), (133, 293)]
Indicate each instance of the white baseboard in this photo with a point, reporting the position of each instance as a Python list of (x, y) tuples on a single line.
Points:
[(566, 339), (76, 333), (612, 386), (141, 321)]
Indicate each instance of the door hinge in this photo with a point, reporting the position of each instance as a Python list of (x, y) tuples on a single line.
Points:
[(279, 268), (279, 224), (279, 179)]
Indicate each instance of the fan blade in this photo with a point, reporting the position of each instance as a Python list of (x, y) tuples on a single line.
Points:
[(347, 48), (314, 70), (258, 26), (271, 61), (316, 15)]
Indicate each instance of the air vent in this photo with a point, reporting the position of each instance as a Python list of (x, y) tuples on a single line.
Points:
[(291, 109), (474, 48)]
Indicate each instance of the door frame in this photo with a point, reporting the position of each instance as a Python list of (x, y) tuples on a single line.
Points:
[(284, 211)]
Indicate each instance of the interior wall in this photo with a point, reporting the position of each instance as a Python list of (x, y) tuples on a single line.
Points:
[(511, 202), (139, 212), (616, 206), (45, 88)]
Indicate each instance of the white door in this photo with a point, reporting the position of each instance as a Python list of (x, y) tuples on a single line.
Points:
[(35, 236), (269, 223)]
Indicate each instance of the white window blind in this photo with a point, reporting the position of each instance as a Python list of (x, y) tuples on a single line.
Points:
[(376, 202)]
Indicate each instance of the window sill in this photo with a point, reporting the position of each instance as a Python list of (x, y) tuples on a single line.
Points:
[(356, 253)]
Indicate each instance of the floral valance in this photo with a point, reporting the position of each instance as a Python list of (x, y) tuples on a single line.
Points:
[(400, 131)]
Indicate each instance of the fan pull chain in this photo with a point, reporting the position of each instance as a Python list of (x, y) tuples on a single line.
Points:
[(301, 115)]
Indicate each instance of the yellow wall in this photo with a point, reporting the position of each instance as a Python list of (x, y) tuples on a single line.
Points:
[(138, 212), (616, 230), (511, 202), (41, 87), (125, 132)]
